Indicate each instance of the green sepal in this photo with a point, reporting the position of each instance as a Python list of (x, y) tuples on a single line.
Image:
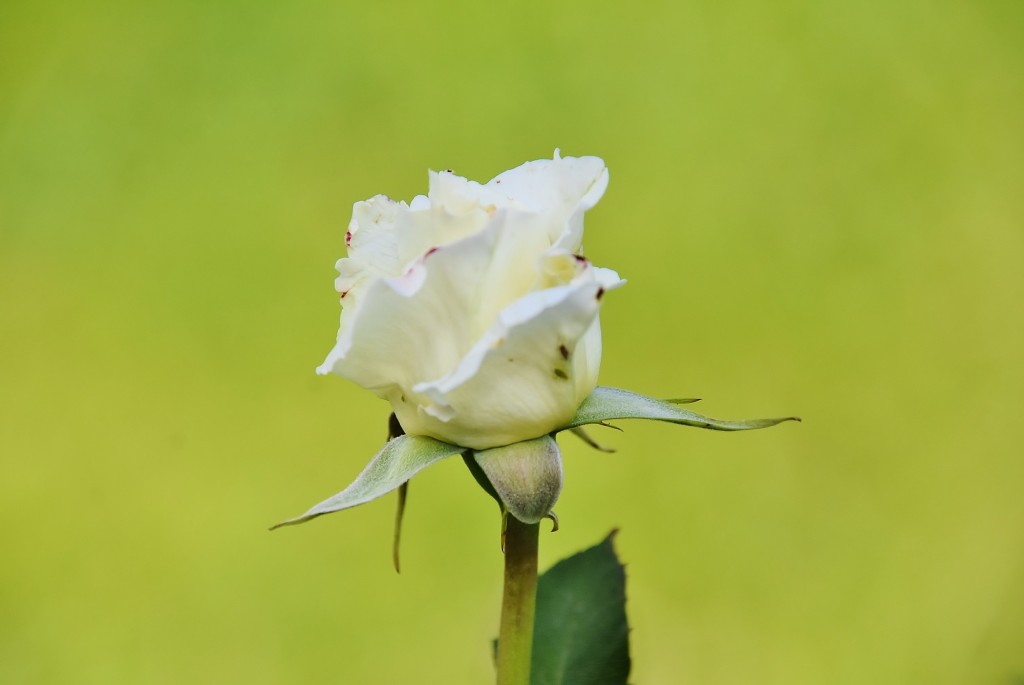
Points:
[(394, 430), (396, 537), (585, 437), (399, 460), (606, 404), (526, 476)]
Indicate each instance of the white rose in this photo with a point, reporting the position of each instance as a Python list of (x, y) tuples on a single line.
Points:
[(471, 309)]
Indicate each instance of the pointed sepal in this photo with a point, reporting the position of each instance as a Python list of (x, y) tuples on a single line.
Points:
[(605, 404), (399, 460), (585, 437), (396, 538), (526, 476)]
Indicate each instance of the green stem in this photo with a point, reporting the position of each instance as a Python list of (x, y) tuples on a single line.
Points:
[(515, 639)]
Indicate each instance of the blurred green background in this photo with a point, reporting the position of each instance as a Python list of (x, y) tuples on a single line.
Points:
[(819, 209)]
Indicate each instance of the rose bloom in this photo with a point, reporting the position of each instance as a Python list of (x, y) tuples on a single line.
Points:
[(471, 309)]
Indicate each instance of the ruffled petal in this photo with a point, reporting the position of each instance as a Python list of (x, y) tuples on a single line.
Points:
[(372, 240), (409, 328), (563, 188), (420, 325), (453, 210)]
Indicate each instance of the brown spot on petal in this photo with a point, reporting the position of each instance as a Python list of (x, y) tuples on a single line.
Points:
[(561, 374), (429, 252), (600, 293), (348, 238), (564, 351)]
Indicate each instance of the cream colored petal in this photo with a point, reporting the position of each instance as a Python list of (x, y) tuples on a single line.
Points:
[(518, 382), (454, 209), (407, 328), (586, 360), (433, 226), (371, 239), (458, 195), (561, 188), (421, 325)]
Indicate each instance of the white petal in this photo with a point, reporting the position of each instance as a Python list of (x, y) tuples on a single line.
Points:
[(586, 360), (420, 326), (371, 239), (562, 188), (607, 278), (449, 213), (517, 383), (459, 195), (408, 328)]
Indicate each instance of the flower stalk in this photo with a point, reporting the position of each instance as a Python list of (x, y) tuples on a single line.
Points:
[(515, 637)]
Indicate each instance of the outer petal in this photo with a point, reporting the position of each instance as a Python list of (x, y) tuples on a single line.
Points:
[(586, 361), (563, 188), (517, 382), (420, 326), (371, 239), (586, 358)]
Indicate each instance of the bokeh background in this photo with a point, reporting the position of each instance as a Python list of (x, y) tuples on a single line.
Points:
[(819, 209)]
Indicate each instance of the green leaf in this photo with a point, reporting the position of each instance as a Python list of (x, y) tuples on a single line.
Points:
[(526, 476), (605, 404), (580, 632), (396, 463)]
